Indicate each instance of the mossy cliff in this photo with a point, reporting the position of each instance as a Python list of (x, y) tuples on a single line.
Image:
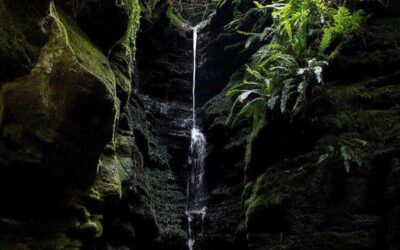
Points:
[(326, 178), (83, 164), (94, 131), (63, 94)]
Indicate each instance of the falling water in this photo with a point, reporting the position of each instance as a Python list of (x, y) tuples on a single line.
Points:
[(194, 76), (195, 204)]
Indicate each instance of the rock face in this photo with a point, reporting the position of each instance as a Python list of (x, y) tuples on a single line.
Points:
[(60, 104), (302, 200), (94, 133), (98, 164), (301, 191), (52, 118)]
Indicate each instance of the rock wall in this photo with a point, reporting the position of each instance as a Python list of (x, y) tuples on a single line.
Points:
[(95, 116), (299, 191), (63, 93), (94, 141)]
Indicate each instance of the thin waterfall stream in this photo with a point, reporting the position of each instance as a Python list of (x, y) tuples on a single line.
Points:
[(195, 204)]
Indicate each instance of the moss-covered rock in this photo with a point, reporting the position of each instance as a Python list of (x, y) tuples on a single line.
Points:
[(323, 188), (61, 96), (61, 102), (315, 181)]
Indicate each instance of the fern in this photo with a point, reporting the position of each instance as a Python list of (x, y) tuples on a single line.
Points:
[(253, 37), (252, 107), (287, 92), (242, 95), (325, 41), (259, 5), (294, 60), (348, 151), (350, 156)]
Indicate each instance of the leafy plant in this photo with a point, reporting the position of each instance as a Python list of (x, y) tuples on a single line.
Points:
[(147, 8), (343, 23), (262, 89), (287, 72), (291, 65), (348, 151), (312, 75), (174, 17), (261, 37)]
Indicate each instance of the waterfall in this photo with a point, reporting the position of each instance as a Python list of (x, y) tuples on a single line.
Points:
[(194, 76), (195, 203)]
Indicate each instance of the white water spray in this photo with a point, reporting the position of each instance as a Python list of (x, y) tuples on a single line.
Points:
[(195, 203)]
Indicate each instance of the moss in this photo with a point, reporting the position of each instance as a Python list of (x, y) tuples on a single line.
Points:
[(168, 203), (129, 40), (90, 230), (173, 17), (108, 181), (265, 201), (374, 123), (95, 195), (263, 192), (124, 85), (86, 53), (258, 124), (42, 104), (68, 65), (270, 189), (98, 220)]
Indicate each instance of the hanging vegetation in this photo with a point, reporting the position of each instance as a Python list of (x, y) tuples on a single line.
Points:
[(288, 71)]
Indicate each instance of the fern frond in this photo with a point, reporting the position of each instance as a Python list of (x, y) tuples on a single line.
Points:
[(248, 110), (287, 91), (326, 40), (259, 5)]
